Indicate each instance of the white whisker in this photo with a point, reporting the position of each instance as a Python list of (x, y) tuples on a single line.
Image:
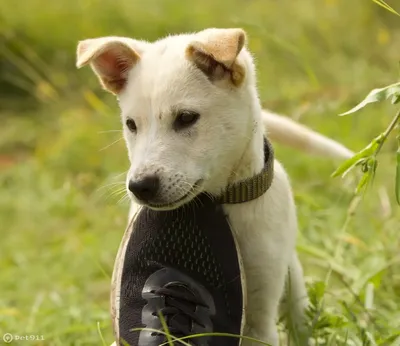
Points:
[(106, 147)]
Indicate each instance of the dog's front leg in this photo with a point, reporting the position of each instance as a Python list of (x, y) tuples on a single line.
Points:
[(265, 287), (266, 267)]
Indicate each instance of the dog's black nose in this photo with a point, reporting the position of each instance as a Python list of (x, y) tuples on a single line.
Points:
[(146, 188)]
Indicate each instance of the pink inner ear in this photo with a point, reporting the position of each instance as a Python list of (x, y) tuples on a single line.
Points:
[(113, 65)]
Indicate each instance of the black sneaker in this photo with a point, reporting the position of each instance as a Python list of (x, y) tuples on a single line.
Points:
[(182, 264)]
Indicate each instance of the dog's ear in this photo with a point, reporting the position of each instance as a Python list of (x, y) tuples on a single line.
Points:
[(215, 52), (111, 58)]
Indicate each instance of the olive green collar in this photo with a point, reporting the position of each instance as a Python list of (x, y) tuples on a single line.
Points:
[(254, 187)]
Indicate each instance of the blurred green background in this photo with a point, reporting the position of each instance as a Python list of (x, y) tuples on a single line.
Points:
[(62, 160)]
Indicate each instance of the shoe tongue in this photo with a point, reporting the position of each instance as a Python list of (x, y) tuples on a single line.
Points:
[(181, 318)]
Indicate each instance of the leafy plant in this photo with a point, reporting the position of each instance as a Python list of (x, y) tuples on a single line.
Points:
[(366, 158)]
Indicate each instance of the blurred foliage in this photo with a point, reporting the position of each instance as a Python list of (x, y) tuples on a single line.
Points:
[(62, 181)]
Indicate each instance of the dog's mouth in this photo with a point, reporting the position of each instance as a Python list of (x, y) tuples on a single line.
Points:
[(187, 197)]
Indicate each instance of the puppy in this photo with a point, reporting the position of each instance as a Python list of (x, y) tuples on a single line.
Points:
[(192, 116)]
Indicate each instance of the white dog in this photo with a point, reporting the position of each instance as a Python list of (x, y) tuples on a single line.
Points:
[(210, 75)]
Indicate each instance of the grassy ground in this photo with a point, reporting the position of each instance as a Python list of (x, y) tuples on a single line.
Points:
[(60, 177)]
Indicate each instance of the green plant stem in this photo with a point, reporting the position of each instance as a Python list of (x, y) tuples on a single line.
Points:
[(387, 132)]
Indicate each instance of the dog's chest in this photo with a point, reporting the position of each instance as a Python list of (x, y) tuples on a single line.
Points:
[(249, 223), (262, 234)]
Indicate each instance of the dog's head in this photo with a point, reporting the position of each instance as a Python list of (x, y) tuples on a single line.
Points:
[(186, 104)]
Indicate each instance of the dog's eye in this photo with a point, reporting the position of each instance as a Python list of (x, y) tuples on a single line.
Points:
[(131, 125), (185, 119)]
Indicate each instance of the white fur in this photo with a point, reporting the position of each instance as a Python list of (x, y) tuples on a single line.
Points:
[(283, 130), (224, 146), (266, 227)]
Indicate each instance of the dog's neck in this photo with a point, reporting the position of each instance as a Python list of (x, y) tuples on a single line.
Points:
[(251, 161)]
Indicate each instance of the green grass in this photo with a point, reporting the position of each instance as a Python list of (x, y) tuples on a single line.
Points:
[(61, 213)]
